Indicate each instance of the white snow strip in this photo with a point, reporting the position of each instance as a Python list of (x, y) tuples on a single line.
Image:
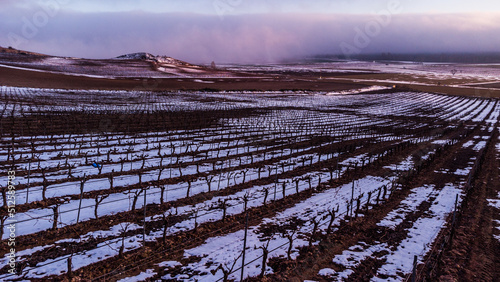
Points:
[(420, 237), (353, 256), (140, 277), (226, 249), (408, 205)]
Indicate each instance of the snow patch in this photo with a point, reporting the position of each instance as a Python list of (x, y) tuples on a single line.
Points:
[(141, 277)]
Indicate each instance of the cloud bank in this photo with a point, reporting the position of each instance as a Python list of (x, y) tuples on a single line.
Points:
[(255, 38)]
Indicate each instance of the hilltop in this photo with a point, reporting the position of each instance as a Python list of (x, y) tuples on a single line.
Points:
[(10, 50), (150, 57), (135, 65)]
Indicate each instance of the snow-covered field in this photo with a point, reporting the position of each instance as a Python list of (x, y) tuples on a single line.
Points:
[(309, 151)]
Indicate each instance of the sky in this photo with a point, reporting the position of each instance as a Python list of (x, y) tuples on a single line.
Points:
[(248, 31)]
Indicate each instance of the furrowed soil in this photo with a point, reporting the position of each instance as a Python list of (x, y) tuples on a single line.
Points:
[(475, 254), (24, 78)]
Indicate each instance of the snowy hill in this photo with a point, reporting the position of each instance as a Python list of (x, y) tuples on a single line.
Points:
[(130, 65), (149, 57), (11, 50), (137, 56)]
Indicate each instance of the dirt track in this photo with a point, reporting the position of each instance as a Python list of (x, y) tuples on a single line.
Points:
[(475, 254), (23, 78)]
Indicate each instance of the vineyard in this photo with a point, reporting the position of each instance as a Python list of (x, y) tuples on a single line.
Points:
[(220, 186)]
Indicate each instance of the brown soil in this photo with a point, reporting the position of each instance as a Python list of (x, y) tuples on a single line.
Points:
[(24, 78), (462, 91), (11, 50), (365, 229), (475, 254), (265, 81), (489, 85), (484, 90)]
